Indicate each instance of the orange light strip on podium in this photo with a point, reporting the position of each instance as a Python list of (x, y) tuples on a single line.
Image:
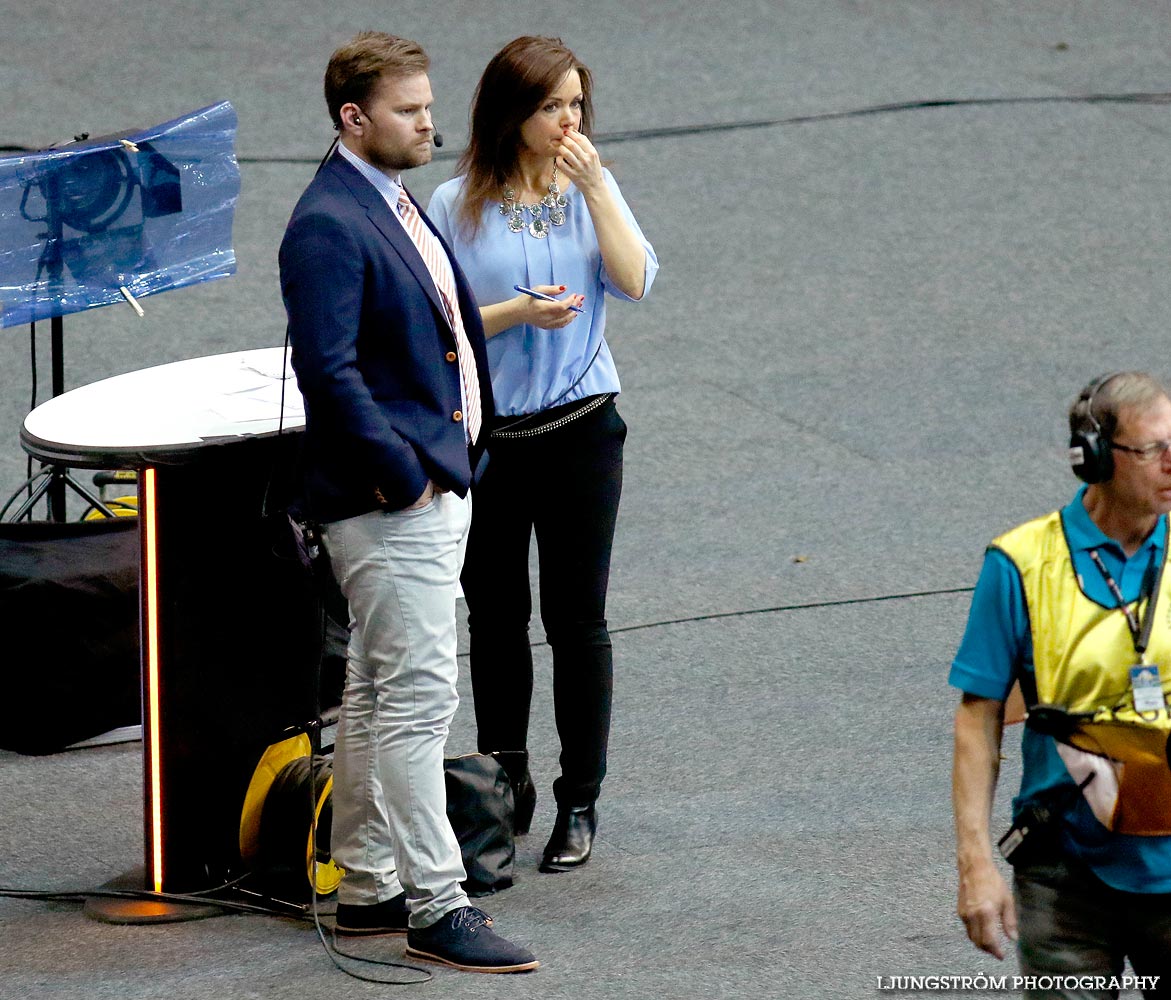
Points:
[(150, 583)]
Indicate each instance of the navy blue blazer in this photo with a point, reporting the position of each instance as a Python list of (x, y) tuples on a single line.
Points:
[(373, 351)]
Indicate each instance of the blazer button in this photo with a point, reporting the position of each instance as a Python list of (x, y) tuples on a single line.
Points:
[(457, 416), (450, 356)]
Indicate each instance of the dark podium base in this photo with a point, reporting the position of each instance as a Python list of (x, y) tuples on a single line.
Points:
[(112, 910)]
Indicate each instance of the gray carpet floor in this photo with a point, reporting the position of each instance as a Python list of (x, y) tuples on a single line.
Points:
[(851, 373)]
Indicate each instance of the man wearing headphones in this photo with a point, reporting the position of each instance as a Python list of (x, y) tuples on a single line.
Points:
[(1075, 606)]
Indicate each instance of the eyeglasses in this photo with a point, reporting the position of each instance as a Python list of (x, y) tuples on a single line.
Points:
[(1145, 454)]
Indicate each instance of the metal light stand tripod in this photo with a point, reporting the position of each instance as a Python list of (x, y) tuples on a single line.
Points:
[(52, 479)]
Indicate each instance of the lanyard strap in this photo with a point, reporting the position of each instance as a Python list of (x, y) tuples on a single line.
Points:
[(1140, 635)]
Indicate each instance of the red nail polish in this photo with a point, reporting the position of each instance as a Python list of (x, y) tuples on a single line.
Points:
[(563, 288)]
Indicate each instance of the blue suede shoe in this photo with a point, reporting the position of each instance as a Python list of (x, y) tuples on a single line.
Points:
[(464, 939)]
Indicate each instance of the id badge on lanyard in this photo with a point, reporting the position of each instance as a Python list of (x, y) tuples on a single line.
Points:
[(1146, 685), (1147, 688)]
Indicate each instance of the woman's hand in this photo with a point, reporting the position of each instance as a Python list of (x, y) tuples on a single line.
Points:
[(580, 162), (549, 315), (542, 313), (622, 252)]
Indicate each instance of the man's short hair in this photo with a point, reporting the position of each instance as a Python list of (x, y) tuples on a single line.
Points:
[(1104, 399), (356, 69)]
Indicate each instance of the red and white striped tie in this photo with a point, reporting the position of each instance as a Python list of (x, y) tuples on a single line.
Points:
[(431, 250)]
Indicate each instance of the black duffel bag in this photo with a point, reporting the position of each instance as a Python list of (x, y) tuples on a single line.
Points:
[(69, 617), (479, 808)]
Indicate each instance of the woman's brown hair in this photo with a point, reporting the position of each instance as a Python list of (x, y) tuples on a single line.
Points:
[(519, 77)]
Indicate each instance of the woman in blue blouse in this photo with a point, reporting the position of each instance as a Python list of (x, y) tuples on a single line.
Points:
[(532, 206)]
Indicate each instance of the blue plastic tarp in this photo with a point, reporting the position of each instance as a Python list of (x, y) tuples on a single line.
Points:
[(147, 210)]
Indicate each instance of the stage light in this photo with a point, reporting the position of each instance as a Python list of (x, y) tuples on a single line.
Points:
[(146, 211)]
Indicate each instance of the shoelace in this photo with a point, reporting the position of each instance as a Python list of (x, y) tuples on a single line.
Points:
[(471, 918)]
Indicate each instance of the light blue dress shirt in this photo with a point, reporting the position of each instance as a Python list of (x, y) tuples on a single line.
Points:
[(533, 369), (388, 187)]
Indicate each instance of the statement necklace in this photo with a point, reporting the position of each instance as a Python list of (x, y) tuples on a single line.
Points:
[(549, 211)]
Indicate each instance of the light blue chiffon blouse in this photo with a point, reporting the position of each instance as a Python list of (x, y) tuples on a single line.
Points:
[(533, 369)]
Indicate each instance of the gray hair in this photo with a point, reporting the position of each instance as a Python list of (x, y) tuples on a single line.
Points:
[(1103, 400)]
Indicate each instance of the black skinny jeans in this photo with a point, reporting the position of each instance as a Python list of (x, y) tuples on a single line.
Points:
[(565, 485)]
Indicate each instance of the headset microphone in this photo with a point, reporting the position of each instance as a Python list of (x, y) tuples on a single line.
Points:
[(437, 139)]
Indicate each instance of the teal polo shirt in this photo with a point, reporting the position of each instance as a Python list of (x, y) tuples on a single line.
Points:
[(997, 649)]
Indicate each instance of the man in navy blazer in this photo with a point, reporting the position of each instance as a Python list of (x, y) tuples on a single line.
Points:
[(389, 355)]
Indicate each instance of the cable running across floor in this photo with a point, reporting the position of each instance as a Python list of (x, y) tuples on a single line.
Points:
[(808, 606), (674, 131)]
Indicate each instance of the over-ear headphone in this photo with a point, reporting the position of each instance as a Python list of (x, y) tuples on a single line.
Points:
[(1090, 454)]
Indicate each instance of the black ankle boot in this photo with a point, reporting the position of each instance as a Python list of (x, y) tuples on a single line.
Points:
[(572, 840), (524, 796), (524, 792)]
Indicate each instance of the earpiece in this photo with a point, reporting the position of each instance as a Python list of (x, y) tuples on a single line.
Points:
[(1090, 455)]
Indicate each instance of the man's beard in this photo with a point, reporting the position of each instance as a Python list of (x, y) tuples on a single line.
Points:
[(401, 159)]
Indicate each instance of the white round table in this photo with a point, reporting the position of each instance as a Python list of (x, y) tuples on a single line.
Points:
[(166, 413)]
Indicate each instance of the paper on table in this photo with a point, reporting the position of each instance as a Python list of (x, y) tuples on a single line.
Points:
[(253, 392), (270, 367)]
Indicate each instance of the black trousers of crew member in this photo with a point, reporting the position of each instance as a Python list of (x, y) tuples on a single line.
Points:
[(1072, 924), (563, 485)]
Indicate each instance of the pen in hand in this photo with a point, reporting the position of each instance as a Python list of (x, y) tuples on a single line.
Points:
[(542, 295)]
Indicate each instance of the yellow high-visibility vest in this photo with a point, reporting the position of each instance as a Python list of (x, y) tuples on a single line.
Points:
[(1082, 656)]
